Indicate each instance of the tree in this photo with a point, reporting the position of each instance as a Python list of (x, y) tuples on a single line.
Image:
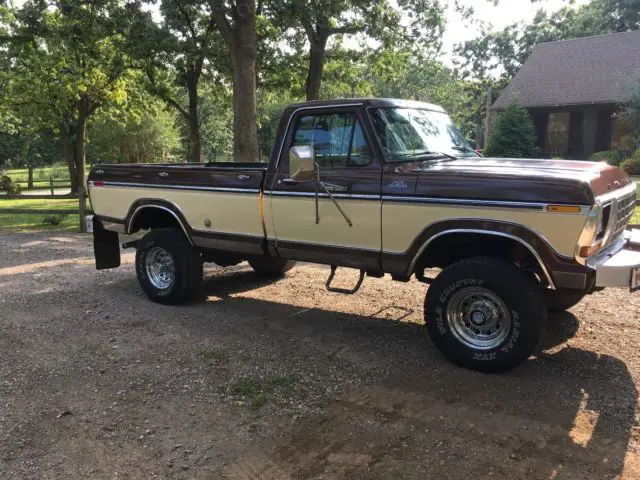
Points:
[(70, 61), (149, 138), (631, 107), (513, 134), (381, 20), (175, 56), (505, 51), (236, 22)]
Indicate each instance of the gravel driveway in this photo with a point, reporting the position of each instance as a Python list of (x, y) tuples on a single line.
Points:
[(283, 380)]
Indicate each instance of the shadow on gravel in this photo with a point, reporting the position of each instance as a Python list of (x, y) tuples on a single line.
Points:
[(566, 414)]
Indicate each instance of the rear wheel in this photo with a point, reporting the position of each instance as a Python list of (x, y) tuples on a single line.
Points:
[(169, 269), (270, 266), (561, 301), (485, 314)]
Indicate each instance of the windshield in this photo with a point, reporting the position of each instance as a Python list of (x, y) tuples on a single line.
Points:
[(409, 133)]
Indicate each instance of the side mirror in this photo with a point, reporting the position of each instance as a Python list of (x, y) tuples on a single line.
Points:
[(301, 164)]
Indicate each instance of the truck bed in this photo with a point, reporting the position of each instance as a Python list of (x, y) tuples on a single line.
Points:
[(211, 199)]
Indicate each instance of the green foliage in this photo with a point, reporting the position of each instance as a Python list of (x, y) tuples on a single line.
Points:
[(150, 138), (631, 107), (256, 390), (632, 165), (612, 157), (507, 49), (52, 220), (513, 134), (5, 182), (9, 186)]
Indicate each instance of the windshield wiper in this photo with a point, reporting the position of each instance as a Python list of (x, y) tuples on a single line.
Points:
[(464, 149), (427, 153)]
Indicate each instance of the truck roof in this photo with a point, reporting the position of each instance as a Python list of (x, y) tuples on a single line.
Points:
[(369, 102)]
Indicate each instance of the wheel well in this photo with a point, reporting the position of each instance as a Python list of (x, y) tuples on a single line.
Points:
[(149, 218), (453, 247)]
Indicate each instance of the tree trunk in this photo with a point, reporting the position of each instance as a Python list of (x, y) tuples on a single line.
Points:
[(30, 178), (194, 122), (317, 55), (243, 60), (80, 140), (70, 157)]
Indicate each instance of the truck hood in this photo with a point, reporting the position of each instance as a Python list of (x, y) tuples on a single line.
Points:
[(510, 179)]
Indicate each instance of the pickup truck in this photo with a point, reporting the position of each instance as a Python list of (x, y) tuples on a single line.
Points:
[(386, 187)]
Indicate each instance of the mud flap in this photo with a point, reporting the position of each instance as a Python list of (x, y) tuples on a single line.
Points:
[(106, 247)]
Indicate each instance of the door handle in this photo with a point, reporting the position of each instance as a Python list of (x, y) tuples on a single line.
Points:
[(243, 177), (288, 181), (163, 174)]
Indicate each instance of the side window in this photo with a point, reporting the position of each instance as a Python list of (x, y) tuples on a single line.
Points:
[(337, 140)]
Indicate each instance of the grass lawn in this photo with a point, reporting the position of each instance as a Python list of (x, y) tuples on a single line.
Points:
[(12, 222)]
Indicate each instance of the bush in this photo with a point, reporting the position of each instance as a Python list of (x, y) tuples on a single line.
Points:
[(14, 189), (513, 134), (5, 182), (52, 220), (612, 157), (632, 165), (8, 185)]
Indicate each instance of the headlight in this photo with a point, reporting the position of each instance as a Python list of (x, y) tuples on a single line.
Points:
[(592, 235)]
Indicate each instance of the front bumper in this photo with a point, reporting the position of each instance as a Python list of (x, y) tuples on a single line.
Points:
[(619, 264)]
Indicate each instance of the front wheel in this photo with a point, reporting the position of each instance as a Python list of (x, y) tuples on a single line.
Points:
[(169, 269), (485, 314)]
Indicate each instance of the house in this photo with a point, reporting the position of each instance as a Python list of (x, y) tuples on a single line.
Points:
[(573, 90)]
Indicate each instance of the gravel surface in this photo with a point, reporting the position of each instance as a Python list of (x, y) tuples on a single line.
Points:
[(283, 380)]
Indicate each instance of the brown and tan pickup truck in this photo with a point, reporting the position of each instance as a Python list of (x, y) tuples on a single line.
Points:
[(386, 187)]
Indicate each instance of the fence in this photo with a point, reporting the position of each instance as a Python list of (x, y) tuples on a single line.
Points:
[(51, 184)]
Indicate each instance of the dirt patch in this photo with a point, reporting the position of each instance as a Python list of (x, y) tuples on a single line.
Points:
[(283, 380)]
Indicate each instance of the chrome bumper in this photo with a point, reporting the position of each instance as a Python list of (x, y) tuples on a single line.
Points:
[(619, 264)]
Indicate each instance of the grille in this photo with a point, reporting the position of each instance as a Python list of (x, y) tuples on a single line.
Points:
[(626, 205)]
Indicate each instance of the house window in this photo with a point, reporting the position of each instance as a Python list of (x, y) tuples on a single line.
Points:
[(558, 134), (623, 135)]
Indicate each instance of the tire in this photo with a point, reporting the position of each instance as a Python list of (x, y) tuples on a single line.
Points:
[(561, 301), (501, 314), (169, 269), (271, 267)]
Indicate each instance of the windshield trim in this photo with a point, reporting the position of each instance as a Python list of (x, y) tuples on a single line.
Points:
[(435, 155)]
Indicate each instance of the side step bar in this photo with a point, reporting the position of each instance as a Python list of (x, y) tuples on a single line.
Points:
[(344, 291)]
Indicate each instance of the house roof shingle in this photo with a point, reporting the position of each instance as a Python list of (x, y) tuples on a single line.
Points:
[(590, 70)]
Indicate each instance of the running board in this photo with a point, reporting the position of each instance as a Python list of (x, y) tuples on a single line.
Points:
[(343, 290)]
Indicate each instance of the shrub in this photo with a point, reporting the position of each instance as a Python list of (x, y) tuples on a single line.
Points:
[(14, 189), (612, 157), (513, 134), (9, 186), (632, 165), (52, 220), (5, 182)]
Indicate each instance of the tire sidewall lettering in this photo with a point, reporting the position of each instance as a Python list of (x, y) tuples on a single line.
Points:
[(443, 328), (442, 299), (465, 282)]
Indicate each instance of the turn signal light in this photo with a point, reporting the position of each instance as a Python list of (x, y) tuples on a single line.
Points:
[(588, 251), (563, 209)]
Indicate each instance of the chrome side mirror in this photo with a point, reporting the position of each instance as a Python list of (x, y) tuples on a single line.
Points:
[(301, 163)]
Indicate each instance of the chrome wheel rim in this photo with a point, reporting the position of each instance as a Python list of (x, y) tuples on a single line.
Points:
[(160, 268), (478, 318)]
